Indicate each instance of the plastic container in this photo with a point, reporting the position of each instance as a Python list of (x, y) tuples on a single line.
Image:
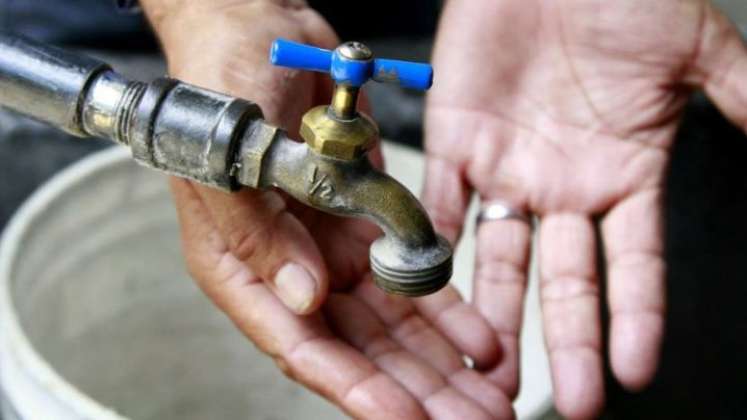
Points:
[(99, 319)]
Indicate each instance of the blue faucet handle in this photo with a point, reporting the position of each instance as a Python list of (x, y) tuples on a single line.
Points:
[(294, 55), (352, 63), (407, 73)]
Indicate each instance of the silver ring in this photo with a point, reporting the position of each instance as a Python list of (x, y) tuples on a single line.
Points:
[(500, 210)]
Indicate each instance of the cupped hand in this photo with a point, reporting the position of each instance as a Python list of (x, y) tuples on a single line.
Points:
[(568, 109), (270, 263)]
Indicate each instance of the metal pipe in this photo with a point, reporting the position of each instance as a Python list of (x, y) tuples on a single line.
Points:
[(105, 100), (171, 126), (44, 82), (189, 132), (224, 142)]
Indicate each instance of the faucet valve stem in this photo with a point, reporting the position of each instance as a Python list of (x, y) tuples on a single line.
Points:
[(345, 97)]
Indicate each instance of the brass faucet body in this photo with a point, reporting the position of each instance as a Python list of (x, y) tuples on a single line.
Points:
[(332, 173)]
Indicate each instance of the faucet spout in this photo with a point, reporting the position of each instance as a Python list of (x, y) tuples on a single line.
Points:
[(410, 259)]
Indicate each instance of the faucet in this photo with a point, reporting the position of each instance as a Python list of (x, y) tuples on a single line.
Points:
[(224, 142)]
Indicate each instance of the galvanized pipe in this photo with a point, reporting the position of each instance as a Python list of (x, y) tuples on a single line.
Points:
[(44, 82), (171, 126), (105, 102)]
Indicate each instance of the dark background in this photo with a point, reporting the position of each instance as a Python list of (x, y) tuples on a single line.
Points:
[(704, 366)]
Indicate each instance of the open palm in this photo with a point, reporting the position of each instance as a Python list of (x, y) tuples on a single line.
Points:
[(375, 355), (568, 109)]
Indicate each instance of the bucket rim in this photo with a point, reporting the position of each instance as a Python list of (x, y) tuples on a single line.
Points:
[(18, 346)]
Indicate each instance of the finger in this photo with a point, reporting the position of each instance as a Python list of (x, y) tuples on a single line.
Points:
[(445, 196), (409, 329), (359, 325), (447, 311), (413, 333), (570, 309), (349, 243), (721, 65), (491, 397), (301, 346), (636, 286), (500, 283), (259, 231)]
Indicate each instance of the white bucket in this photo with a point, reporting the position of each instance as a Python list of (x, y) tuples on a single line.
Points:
[(99, 319)]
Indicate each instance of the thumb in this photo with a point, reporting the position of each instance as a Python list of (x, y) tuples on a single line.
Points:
[(721, 65), (272, 242)]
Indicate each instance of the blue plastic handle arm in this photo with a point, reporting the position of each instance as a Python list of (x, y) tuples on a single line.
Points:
[(408, 74), (291, 54), (353, 72)]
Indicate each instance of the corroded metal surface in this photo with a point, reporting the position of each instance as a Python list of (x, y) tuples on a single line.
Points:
[(411, 259)]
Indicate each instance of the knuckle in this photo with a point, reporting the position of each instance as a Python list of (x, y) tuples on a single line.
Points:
[(569, 288), (409, 326), (276, 8), (255, 242), (246, 244), (192, 267), (194, 261), (265, 7), (503, 272), (284, 367)]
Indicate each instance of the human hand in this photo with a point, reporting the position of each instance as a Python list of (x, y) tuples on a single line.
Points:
[(268, 261), (568, 109)]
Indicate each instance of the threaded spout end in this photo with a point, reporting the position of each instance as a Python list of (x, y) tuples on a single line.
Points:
[(411, 272)]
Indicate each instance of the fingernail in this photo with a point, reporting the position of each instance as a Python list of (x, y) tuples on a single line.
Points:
[(296, 287)]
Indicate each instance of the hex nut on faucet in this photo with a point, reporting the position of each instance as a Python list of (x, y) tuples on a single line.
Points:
[(338, 138)]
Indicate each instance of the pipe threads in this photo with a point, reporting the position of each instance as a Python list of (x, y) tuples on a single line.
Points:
[(126, 110)]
